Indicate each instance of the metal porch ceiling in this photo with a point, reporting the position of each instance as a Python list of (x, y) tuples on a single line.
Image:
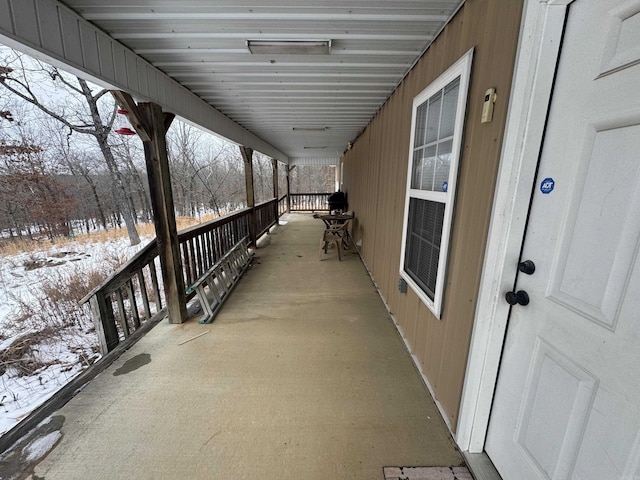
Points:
[(329, 99)]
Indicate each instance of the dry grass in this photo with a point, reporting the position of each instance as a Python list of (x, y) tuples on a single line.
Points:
[(20, 355), (17, 246), (56, 315)]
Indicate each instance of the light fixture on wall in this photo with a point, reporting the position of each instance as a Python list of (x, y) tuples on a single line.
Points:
[(290, 47)]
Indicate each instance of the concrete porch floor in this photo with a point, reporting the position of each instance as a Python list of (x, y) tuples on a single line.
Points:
[(302, 375)]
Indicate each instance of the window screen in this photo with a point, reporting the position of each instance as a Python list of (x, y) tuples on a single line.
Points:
[(423, 243)]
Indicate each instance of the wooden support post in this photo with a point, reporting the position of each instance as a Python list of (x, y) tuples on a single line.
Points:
[(164, 218), (247, 157), (104, 322), (274, 164), (289, 170), (152, 124)]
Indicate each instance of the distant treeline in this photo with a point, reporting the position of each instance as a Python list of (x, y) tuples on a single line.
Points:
[(36, 201)]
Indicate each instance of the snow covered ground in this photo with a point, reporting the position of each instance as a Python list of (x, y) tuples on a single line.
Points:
[(43, 347)]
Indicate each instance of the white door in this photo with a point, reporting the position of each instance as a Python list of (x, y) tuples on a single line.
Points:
[(567, 402)]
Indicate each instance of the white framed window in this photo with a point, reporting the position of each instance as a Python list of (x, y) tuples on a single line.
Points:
[(436, 140)]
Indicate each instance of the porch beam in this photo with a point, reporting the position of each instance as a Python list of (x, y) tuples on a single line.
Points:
[(247, 157)]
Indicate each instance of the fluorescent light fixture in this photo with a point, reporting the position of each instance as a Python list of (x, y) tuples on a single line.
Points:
[(290, 47), (313, 148), (310, 129)]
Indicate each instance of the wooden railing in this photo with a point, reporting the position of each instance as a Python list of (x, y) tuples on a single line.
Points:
[(124, 301), (134, 296), (265, 216), (282, 205), (201, 246), (309, 202)]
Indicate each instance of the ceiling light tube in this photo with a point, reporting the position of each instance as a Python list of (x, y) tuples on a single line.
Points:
[(290, 47), (310, 129)]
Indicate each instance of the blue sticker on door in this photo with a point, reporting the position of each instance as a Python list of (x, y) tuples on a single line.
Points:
[(547, 185)]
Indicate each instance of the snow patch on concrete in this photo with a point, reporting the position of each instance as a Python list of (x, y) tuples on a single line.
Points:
[(40, 447)]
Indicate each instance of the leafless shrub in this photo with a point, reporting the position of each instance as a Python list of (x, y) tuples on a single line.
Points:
[(55, 304), (20, 355), (54, 316)]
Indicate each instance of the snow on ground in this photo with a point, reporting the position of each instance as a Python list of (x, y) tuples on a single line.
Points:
[(72, 347), (41, 446)]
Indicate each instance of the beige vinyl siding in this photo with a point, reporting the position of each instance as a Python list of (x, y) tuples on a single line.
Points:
[(375, 174)]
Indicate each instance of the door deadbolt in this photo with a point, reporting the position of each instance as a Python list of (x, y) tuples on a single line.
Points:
[(517, 298), (527, 267)]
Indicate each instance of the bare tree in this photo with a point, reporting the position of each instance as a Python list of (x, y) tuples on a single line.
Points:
[(225, 182), (313, 179), (127, 150), (205, 174), (184, 145), (262, 177), (85, 120), (30, 188), (80, 164)]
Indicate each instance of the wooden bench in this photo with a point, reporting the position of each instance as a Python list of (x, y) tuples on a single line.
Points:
[(213, 286)]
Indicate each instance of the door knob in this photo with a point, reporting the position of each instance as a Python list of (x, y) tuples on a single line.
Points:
[(527, 267), (520, 298)]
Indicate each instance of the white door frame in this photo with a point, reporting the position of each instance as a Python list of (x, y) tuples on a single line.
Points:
[(538, 50)]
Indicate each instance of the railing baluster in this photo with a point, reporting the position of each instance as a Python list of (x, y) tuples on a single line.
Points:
[(145, 297), (194, 261), (132, 303), (156, 286), (122, 314), (198, 246), (186, 263), (209, 248)]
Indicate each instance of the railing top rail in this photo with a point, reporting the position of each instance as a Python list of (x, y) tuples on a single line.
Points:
[(195, 230), (192, 232), (267, 202), (315, 193)]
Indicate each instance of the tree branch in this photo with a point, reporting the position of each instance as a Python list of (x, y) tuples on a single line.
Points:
[(36, 102), (56, 75), (98, 95)]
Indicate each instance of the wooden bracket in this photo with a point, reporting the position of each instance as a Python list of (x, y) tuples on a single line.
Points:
[(134, 114), (168, 120), (247, 153)]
